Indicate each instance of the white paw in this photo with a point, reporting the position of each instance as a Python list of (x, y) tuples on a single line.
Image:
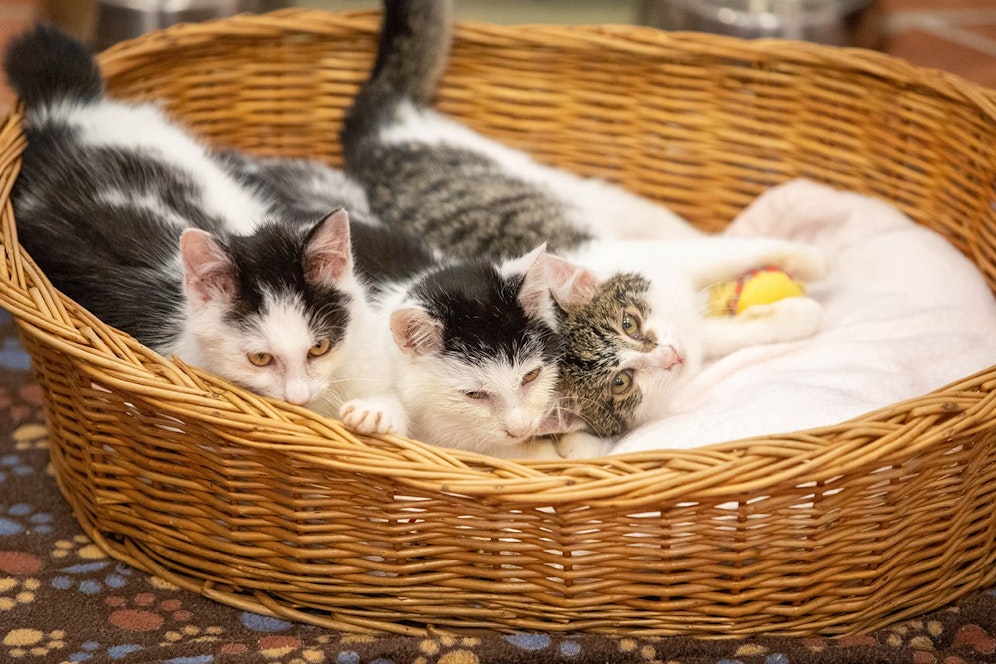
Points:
[(786, 320), (582, 445), (374, 415)]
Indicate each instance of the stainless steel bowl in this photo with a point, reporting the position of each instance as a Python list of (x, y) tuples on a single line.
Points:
[(105, 22), (835, 22)]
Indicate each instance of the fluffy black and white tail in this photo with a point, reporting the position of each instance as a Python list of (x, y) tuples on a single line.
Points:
[(411, 55), (45, 66)]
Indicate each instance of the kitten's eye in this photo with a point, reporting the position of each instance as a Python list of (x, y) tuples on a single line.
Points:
[(622, 383), (631, 325), (476, 395), (260, 359), (531, 376), (321, 347)]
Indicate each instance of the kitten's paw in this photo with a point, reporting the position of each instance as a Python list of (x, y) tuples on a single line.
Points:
[(785, 320), (582, 445), (576, 445), (375, 415)]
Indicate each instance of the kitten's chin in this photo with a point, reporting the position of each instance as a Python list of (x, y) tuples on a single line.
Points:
[(472, 441), (659, 394)]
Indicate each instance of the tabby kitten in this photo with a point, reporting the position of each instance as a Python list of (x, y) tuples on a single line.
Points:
[(646, 332), (469, 195)]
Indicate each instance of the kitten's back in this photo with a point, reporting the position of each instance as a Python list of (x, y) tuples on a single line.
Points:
[(430, 176)]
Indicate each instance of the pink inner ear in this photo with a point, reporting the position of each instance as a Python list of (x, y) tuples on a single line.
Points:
[(416, 332), (207, 268), (534, 295), (570, 284), (328, 255)]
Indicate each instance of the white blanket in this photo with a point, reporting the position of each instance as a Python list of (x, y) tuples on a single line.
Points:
[(905, 314)]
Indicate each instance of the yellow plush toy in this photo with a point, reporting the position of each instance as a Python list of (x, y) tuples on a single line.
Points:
[(762, 286)]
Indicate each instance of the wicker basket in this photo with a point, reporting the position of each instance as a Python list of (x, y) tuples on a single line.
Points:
[(269, 508)]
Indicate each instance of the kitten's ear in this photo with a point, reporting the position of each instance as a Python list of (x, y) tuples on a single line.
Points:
[(328, 255), (523, 264), (549, 276), (570, 284), (534, 294), (208, 271), (416, 332)]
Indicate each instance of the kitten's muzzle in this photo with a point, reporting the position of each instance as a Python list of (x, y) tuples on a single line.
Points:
[(664, 357)]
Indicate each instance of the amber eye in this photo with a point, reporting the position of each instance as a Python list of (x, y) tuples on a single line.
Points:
[(321, 347), (630, 325), (622, 383), (260, 359), (531, 376), (476, 395)]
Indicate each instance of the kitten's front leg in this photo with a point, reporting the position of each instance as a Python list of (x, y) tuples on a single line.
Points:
[(383, 414), (725, 258), (583, 445), (785, 320)]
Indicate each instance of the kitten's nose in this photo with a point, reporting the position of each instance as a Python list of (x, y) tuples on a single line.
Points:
[(518, 426), (669, 357), (297, 392)]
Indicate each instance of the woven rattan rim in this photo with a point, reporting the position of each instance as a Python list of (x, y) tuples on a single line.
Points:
[(862, 486)]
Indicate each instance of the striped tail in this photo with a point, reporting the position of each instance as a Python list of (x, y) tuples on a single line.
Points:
[(411, 55)]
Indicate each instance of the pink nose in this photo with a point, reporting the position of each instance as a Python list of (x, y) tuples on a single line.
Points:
[(669, 357), (518, 430), (298, 393)]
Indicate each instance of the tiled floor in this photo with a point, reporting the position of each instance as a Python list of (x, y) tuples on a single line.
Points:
[(957, 36)]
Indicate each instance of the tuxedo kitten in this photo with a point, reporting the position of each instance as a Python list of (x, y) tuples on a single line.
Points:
[(472, 346), (131, 217), (464, 193), (475, 353)]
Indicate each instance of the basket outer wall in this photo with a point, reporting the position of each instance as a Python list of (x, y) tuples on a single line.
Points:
[(267, 507)]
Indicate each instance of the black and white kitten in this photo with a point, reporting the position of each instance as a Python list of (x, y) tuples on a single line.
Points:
[(470, 348), (130, 216), (633, 340)]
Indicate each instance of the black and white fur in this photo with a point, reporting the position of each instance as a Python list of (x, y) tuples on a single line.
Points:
[(131, 216), (470, 349)]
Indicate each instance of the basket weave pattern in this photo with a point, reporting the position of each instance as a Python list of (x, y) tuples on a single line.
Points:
[(267, 507)]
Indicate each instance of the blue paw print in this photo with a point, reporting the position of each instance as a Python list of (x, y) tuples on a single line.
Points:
[(91, 649), (261, 623), (22, 517), (13, 357), (115, 577), (12, 464)]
